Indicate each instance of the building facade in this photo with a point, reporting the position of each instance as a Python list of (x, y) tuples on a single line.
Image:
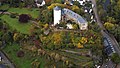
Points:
[(57, 15)]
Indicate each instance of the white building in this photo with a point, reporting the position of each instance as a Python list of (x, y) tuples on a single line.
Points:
[(40, 3), (83, 24), (57, 15), (69, 26)]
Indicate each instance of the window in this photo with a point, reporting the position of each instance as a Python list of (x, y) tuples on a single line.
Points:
[(64, 10), (74, 14), (77, 16), (83, 27), (83, 24)]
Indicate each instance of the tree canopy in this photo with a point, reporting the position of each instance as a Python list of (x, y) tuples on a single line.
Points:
[(24, 18)]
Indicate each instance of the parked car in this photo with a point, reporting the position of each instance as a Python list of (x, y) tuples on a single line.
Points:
[(0, 58)]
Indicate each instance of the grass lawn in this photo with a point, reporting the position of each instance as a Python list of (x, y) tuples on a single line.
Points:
[(4, 7), (23, 62), (15, 24), (34, 12)]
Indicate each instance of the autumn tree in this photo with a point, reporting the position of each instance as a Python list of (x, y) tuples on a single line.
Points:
[(36, 63), (56, 4), (109, 26), (17, 37), (79, 45), (75, 26), (75, 8), (57, 38)]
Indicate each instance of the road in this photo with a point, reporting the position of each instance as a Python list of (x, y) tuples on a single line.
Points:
[(106, 34), (6, 61), (108, 64)]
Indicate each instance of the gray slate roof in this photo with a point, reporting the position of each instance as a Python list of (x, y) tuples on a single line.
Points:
[(74, 15), (57, 8), (39, 1)]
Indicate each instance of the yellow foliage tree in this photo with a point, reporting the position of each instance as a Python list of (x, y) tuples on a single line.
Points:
[(56, 4), (79, 45), (16, 36), (83, 40), (57, 38), (67, 62), (75, 26), (74, 8), (46, 26), (109, 26)]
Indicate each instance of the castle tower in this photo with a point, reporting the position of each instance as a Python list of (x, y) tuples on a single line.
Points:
[(57, 15)]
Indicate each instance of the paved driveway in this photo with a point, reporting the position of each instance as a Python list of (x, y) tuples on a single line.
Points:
[(6, 61)]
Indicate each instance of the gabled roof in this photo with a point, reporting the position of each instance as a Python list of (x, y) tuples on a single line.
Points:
[(74, 15)]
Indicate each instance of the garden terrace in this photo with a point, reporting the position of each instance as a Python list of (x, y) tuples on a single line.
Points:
[(74, 58)]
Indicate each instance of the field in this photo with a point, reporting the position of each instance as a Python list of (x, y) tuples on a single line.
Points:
[(15, 24), (33, 12)]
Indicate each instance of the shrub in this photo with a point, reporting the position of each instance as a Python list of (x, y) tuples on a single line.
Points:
[(37, 44), (24, 18), (13, 16), (1, 23), (0, 43), (20, 54)]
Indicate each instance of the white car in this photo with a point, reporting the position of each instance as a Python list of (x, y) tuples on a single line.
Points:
[(93, 5), (0, 58)]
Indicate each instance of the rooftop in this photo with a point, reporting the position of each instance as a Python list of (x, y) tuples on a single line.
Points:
[(74, 15), (57, 8)]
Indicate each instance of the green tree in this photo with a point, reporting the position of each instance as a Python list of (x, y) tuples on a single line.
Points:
[(117, 10), (14, 3), (29, 2), (0, 43), (111, 19), (46, 16), (77, 3), (75, 26), (115, 58), (6, 37)]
